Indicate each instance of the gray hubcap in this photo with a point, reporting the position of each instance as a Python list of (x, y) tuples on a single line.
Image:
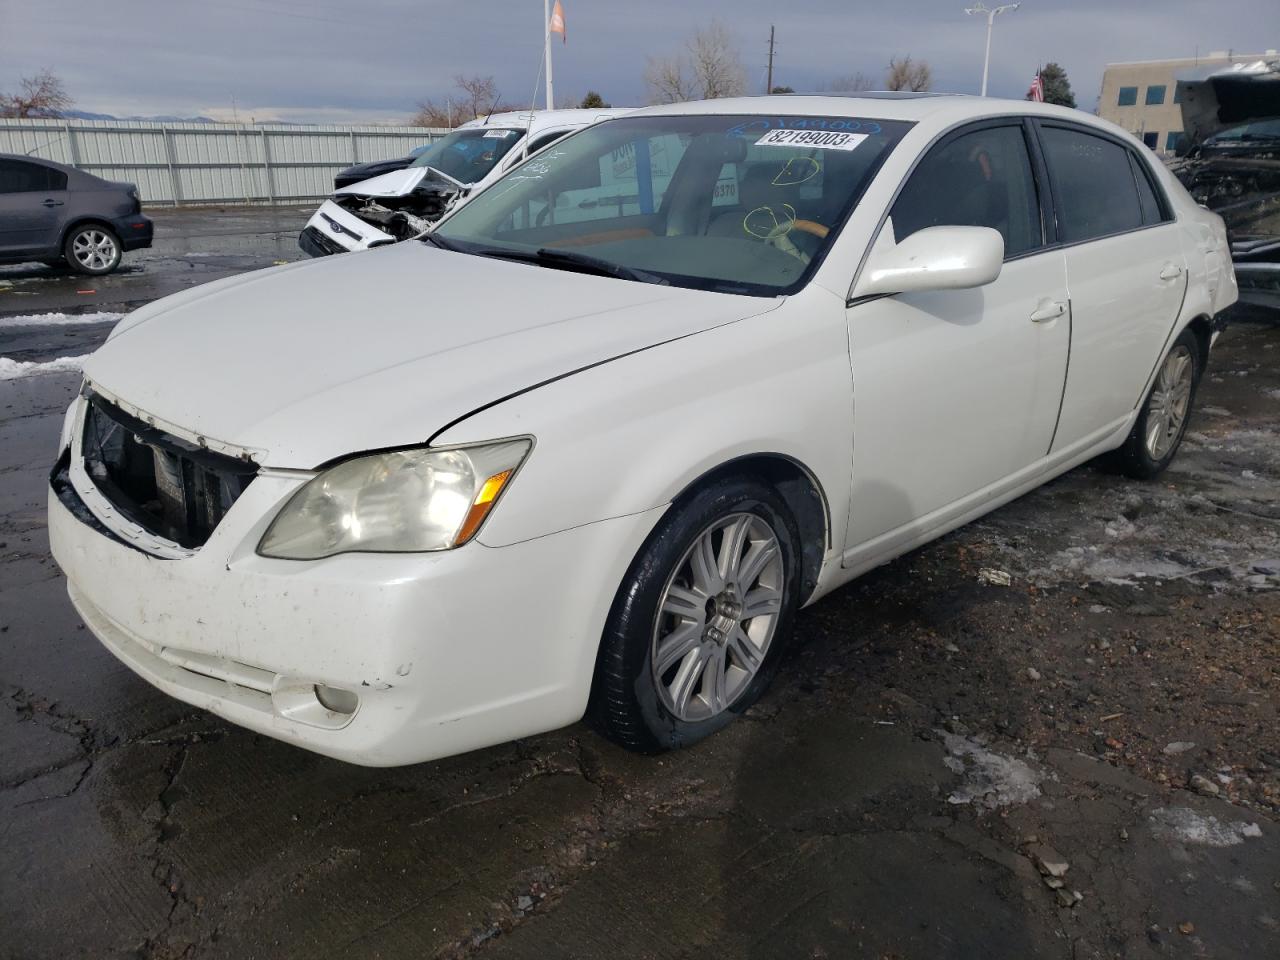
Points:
[(717, 616), (1170, 398), (94, 249)]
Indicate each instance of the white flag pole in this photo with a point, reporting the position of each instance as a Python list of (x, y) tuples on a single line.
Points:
[(546, 26)]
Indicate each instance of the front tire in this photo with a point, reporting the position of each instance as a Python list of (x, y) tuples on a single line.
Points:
[(700, 622), (1166, 411), (92, 249)]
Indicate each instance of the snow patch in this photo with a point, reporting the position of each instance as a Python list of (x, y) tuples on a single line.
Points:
[(57, 319), (1186, 826), (991, 779), (18, 369)]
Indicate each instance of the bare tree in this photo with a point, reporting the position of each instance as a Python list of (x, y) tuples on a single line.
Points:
[(476, 97), (908, 74), (480, 94), (848, 83), (431, 114), (41, 96), (717, 68), (668, 80), (709, 67)]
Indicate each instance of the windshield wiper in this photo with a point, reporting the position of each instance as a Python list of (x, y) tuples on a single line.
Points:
[(435, 241), (558, 259), (589, 264)]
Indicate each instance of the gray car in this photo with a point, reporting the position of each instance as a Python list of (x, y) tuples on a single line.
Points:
[(59, 215)]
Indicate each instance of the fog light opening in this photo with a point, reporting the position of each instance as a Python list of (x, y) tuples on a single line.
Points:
[(338, 701)]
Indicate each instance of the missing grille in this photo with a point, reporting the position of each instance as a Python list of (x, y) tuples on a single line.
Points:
[(169, 487)]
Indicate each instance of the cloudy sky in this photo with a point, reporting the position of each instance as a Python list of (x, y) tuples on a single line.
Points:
[(372, 61)]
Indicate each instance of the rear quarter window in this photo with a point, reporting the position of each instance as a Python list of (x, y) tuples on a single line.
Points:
[(1095, 192), (1153, 209)]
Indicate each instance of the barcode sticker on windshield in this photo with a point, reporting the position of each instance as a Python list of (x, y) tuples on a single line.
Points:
[(498, 134), (821, 139)]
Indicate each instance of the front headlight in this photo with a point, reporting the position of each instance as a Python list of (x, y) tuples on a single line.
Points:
[(405, 501)]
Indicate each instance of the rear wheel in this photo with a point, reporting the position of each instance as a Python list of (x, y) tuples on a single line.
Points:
[(92, 249), (1161, 424), (699, 623)]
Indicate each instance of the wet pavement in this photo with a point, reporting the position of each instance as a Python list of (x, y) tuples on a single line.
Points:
[(936, 747), (192, 245)]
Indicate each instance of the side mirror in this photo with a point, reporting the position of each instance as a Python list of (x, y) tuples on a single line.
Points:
[(935, 258)]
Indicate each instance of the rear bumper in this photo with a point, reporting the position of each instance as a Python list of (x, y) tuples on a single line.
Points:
[(135, 232)]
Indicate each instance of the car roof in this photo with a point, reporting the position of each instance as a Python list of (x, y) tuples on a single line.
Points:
[(76, 178), (40, 160), (937, 109), (546, 119)]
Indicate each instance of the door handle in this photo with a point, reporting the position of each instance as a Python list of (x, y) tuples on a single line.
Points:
[(1170, 271), (1051, 310), (52, 203)]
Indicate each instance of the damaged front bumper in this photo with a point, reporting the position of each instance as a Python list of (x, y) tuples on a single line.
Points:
[(332, 229), (353, 219), (375, 659)]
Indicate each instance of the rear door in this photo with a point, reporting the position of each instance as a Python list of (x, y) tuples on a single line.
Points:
[(957, 390), (32, 199), (1126, 274)]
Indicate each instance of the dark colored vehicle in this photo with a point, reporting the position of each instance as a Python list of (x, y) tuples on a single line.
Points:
[(376, 168), (1229, 161), (59, 215)]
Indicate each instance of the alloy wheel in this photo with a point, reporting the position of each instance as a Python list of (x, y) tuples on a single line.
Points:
[(1169, 403), (717, 616), (94, 249)]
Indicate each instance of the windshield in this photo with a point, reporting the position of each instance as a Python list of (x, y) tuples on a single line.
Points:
[(1262, 130), (467, 155), (742, 204)]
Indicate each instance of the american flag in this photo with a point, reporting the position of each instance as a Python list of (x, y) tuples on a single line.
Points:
[(1037, 89)]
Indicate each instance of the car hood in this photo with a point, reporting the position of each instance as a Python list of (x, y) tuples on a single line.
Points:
[(397, 183), (303, 363)]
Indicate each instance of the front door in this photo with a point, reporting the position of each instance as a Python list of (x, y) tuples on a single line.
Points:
[(956, 390)]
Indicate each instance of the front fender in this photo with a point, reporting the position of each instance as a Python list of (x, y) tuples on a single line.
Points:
[(629, 435)]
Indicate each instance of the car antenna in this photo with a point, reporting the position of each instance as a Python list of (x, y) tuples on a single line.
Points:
[(492, 107)]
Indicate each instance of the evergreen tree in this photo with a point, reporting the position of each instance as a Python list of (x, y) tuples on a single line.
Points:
[(1057, 88)]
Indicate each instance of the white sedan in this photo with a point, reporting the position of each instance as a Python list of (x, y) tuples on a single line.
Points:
[(587, 447)]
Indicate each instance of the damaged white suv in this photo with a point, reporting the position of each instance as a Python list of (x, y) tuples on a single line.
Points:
[(402, 204), (673, 378)]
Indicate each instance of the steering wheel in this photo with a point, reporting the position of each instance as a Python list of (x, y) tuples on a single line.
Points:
[(807, 238), (778, 226)]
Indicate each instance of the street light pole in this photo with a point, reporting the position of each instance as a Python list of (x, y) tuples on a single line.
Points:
[(981, 10)]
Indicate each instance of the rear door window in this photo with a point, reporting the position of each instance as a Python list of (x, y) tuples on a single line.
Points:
[(19, 177), (981, 178), (1094, 188)]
